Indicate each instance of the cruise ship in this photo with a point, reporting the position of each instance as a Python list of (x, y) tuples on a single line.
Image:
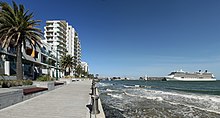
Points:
[(187, 76)]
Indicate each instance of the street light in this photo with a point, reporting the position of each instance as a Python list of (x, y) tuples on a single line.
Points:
[(56, 44), (57, 67)]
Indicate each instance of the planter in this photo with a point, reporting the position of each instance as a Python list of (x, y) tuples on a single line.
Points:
[(24, 87), (9, 97), (45, 84), (8, 77)]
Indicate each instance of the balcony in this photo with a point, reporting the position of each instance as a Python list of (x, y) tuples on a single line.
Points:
[(62, 37), (61, 30), (47, 36), (62, 24), (63, 33), (49, 23)]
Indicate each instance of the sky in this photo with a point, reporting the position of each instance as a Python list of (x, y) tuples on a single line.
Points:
[(133, 38)]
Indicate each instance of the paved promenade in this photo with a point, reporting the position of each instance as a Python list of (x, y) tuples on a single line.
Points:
[(66, 102)]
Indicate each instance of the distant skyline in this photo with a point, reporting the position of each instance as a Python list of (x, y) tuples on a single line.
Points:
[(133, 38)]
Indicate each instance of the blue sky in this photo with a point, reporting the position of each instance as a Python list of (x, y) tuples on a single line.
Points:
[(140, 37)]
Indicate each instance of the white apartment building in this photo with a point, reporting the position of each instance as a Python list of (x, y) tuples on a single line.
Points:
[(85, 66), (55, 34), (63, 38), (77, 50)]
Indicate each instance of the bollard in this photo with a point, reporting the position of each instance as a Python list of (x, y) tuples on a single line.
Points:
[(93, 89), (93, 82), (95, 105)]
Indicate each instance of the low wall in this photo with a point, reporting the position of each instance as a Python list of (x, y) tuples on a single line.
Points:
[(49, 85), (67, 81), (24, 87), (10, 96), (8, 77), (101, 114)]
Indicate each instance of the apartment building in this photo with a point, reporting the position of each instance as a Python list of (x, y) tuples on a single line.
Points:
[(63, 38), (85, 66), (77, 50), (40, 60), (55, 34), (43, 59)]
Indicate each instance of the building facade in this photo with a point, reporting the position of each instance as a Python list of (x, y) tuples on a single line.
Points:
[(44, 59), (63, 38), (37, 60), (85, 66)]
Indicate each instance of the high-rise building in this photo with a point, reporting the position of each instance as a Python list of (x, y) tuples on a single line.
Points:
[(63, 38), (73, 45), (77, 50), (55, 34)]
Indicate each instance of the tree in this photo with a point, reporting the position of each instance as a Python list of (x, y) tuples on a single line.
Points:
[(17, 28), (85, 74), (79, 70), (67, 62), (91, 76)]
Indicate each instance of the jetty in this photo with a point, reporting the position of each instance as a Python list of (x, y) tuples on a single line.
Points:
[(69, 101)]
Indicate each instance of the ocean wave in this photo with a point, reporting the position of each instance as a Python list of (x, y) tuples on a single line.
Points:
[(110, 90), (203, 102), (151, 98), (103, 84), (119, 96), (136, 86), (192, 106), (128, 86), (211, 92)]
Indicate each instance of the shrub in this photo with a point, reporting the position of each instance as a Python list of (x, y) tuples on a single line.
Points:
[(27, 82), (45, 78), (6, 84), (12, 83), (68, 77)]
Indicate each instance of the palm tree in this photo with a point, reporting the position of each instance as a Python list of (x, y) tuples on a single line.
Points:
[(17, 28), (79, 70), (67, 62)]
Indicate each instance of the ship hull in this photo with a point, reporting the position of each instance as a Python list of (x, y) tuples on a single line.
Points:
[(189, 79)]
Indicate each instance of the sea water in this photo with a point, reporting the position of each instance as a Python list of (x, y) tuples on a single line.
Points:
[(160, 99)]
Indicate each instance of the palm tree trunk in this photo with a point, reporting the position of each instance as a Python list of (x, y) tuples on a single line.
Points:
[(19, 68)]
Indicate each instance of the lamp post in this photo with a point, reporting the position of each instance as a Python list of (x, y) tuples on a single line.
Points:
[(56, 44), (57, 67)]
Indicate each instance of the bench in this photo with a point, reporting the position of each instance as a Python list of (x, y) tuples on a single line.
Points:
[(27, 91), (58, 83)]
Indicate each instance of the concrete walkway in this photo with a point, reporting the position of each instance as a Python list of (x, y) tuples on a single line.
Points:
[(66, 102)]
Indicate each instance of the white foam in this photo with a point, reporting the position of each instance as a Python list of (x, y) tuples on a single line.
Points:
[(209, 103), (103, 84), (110, 90), (151, 98), (119, 96), (128, 86)]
